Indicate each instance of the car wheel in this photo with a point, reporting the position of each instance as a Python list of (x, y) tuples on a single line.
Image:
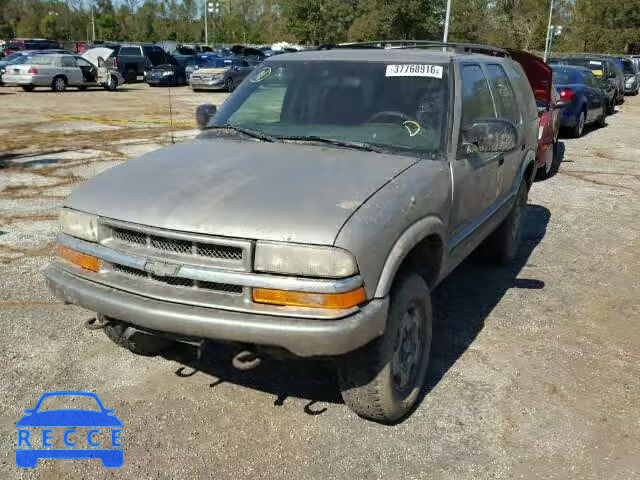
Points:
[(134, 340), (112, 83), (28, 88), (578, 130), (546, 171), (502, 245), (382, 380), (181, 80), (228, 85), (59, 84), (602, 119)]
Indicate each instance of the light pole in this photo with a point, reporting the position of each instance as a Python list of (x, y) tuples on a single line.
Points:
[(447, 18), (206, 32), (546, 45)]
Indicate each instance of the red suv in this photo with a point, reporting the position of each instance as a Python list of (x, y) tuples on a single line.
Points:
[(549, 104)]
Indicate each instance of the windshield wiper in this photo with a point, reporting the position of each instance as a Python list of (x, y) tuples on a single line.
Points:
[(250, 132), (367, 147)]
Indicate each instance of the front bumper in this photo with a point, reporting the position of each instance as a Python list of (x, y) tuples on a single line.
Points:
[(206, 84), (303, 337), (170, 80)]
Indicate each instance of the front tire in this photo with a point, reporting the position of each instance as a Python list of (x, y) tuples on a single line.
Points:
[(59, 84), (382, 380), (229, 85), (578, 130), (112, 83), (135, 341), (502, 245)]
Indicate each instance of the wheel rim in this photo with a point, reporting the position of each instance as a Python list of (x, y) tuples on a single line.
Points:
[(59, 84), (581, 124), (230, 85), (407, 349)]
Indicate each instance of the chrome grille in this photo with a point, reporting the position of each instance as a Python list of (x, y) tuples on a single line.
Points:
[(219, 251), (130, 236), (182, 247), (179, 281), (178, 246)]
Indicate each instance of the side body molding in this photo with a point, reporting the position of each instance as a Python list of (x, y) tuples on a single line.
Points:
[(409, 239)]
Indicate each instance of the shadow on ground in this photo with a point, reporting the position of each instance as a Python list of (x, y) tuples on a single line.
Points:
[(461, 303)]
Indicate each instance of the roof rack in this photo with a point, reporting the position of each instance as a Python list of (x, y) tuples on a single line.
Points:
[(402, 44)]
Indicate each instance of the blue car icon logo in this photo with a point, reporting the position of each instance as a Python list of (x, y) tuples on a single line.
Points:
[(65, 421)]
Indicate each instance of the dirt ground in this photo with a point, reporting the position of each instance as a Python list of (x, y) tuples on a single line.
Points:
[(536, 370)]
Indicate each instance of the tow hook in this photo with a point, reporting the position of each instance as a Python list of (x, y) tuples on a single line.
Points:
[(96, 323), (246, 360)]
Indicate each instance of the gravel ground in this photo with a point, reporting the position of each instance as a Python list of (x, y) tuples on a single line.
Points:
[(536, 371)]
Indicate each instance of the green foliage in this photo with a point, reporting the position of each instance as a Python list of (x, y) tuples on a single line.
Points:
[(588, 25)]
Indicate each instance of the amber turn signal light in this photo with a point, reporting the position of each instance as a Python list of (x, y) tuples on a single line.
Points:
[(311, 300), (80, 259)]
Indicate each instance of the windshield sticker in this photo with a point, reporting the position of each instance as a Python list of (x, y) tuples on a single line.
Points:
[(414, 70), (594, 62), (262, 75)]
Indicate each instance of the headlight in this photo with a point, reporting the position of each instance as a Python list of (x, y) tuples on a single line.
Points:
[(307, 260), (166, 74), (79, 224)]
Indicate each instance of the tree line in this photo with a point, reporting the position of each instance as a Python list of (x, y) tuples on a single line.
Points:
[(587, 25)]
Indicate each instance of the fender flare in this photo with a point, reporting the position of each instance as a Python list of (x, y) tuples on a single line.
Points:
[(409, 239)]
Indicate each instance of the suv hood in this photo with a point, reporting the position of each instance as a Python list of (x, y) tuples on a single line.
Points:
[(243, 189)]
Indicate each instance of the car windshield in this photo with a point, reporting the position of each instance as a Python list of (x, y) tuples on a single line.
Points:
[(627, 67), (565, 76), (389, 107), (217, 63)]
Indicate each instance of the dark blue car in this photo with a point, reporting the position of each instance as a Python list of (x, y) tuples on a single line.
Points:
[(28, 457), (585, 98)]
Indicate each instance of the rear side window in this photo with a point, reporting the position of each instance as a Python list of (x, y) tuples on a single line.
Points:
[(503, 96), (476, 96), (130, 51), (523, 90), (68, 62)]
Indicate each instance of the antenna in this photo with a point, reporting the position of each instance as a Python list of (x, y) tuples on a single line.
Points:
[(173, 139)]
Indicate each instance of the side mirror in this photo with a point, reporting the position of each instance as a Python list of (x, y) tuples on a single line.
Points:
[(204, 113), (100, 62), (492, 135), (562, 104)]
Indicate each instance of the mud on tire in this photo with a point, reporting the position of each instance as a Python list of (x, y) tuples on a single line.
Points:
[(374, 380)]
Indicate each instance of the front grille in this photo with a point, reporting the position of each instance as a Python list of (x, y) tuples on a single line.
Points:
[(179, 281), (178, 246)]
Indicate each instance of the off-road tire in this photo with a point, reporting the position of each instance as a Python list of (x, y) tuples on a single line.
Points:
[(366, 377), (501, 246), (137, 342), (59, 83), (28, 88)]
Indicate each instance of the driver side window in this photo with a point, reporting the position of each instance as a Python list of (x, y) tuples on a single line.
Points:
[(476, 96)]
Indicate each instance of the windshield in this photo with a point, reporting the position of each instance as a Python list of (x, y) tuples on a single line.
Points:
[(628, 67), (393, 107), (565, 76), (217, 63), (12, 57)]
